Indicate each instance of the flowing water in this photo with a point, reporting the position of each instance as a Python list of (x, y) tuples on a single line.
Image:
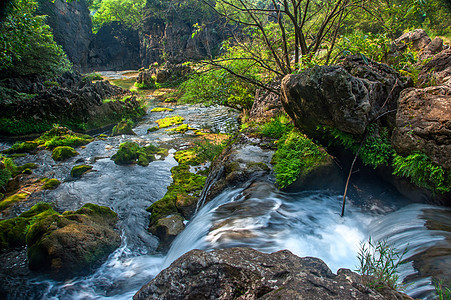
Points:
[(258, 216)]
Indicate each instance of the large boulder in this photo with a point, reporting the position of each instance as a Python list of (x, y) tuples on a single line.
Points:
[(437, 71), (423, 123), (74, 242), (345, 97), (244, 273)]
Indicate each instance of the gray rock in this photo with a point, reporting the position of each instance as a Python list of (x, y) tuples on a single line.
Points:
[(244, 273)]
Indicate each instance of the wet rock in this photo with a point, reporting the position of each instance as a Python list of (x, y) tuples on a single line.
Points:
[(244, 273), (167, 229), (74, 242), (345, 97), (239, 163), (423, 123)]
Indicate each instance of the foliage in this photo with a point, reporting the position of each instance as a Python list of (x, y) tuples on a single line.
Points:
[(295, 155), (129, 13), (217, 87), (207, 150), (276, 127), (93, 76), (379, 263), (421, 171), (169, 121), (443, 292), (151, 85), (26, 43), (12, 126)]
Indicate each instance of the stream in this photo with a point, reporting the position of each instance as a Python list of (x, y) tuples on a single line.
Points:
[(259, 216)]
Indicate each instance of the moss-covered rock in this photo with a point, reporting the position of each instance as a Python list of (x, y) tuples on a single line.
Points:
[(123, 127), (63, 152), (167, 229), (181, 129), (27, 171), (169, 121), (78, 171), (73, 242), (152, 129), (131, 153), (50, 184), (8, 201), (160, 109)]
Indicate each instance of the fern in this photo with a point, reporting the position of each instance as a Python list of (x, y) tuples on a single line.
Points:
[(421, 171)]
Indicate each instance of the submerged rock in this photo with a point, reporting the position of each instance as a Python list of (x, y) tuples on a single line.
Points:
[(244, 273)]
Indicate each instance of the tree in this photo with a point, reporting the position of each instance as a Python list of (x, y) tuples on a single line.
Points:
[(26, 43), (129, 13), (281, 36)]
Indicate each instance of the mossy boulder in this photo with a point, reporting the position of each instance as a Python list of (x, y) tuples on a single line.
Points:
[(161, 109), (131, 153), (167, 229), (8, 201), (181, 129), (50, 184), (152, 129), (63, 152), (78, 171), (123, 127), (73, 242), (169, 121)]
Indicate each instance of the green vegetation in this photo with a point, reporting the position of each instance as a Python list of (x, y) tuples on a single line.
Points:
[(146, 86), (123, 127), (377, 151), (160, 109), (129, 13), (169, 121), (93, 76), (63, 152), (443, 292), (276, 127), (421, 171), (7, 202), (56, 137), (131, 153), (152, 129), (78, 171), (26, 43), (50, 184), (379, 263), (296, 155), (8, 169)]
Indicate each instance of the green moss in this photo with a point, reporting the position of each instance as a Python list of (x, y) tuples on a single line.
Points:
[(276, 127), (181, 129), (5, 175), (96, 211), (160, 109), (51, 184), (78, 171), (27, 171), (7, 202), (152, 129), (93, 76), (123, 127), (131, 152), (102, 137), (23, 147), (170, 100), (63, 152), (169, 121), (295, 155)]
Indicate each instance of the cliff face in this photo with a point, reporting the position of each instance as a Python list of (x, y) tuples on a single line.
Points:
[(72, 28)]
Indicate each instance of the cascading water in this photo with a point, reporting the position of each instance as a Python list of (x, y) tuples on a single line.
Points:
[(258, 216)]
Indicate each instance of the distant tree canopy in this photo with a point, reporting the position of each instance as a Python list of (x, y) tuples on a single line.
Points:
[(129, 13), (26, 43)]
